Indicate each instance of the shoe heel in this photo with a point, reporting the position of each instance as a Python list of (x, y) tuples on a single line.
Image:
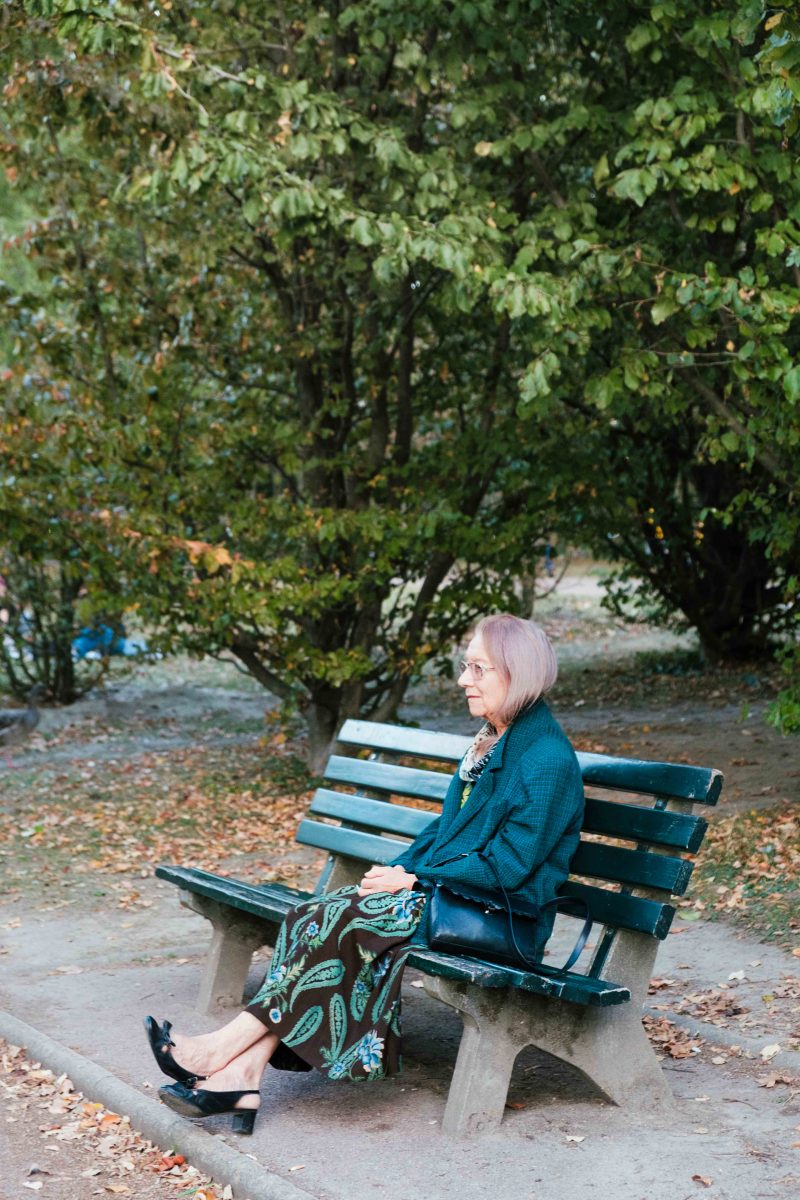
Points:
[(244, 1120)]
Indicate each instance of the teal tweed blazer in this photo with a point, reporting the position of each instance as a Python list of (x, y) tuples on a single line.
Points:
[(525, 811)]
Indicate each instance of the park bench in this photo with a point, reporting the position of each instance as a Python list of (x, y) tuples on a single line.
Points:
[(590, 1017)]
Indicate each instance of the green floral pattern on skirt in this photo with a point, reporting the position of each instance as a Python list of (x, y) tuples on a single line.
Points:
[(332, 993)]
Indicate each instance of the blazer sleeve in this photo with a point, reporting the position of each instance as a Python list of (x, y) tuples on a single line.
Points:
[(418, 849), (545, 805)]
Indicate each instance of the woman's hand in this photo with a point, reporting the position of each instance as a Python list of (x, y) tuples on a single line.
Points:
[(385, 879)]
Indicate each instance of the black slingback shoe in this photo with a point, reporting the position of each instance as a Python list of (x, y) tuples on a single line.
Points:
[(198, 1102), (160, 1041)]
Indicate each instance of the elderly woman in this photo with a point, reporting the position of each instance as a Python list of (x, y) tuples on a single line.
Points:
[(331, 998)]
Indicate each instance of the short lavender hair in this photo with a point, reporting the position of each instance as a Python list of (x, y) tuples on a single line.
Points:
[(521, 653)]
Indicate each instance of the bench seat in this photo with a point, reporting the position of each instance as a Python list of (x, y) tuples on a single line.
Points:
[(272, 901)]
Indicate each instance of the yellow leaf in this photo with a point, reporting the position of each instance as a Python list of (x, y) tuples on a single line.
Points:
[(482, 149), (773, 21)]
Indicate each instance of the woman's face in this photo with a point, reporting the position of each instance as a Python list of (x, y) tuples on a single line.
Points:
[(484, 696)]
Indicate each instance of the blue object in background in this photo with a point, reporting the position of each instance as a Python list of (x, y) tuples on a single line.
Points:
[(103, 641)]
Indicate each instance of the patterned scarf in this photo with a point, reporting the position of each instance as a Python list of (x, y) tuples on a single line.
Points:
[(476, 759)]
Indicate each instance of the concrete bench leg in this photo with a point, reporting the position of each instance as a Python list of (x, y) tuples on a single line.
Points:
[(486, 1054), (608, 1046), (235, 938)]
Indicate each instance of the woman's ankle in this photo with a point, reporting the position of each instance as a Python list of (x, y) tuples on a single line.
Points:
[(197, 1054), (235, 1079)]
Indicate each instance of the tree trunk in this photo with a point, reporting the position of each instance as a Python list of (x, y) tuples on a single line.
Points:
[(322, 722)]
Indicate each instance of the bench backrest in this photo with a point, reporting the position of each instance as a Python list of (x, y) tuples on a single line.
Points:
[(627, 886)]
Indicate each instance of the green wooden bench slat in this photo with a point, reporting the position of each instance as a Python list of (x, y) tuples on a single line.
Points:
[(578, 989), (400, 739), (618, 864), (659, 826), (268, 900), (619, 910), (638, 868), (374, 814), (702, 785), (367, 847), (612, 908), (388, 777), (683, 831)]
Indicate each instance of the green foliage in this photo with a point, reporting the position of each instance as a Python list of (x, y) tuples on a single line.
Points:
[(345, 304), (784, 713), (275, 295), (684, 384)]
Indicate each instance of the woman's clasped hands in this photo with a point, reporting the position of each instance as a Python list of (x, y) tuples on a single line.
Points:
[(386, 879)]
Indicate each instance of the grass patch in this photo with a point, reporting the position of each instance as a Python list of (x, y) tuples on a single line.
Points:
[(750, 872)]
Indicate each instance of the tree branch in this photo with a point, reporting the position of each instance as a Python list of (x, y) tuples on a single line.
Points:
[(246, 651), (768, 461)]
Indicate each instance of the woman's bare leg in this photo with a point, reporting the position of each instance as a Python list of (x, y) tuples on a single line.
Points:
[(244, 1072), (210, 1052)]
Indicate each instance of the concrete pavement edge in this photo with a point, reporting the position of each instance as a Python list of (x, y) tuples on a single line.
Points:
[(247, 1178)]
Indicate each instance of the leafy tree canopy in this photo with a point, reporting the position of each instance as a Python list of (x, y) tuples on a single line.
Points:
[(338, 306)]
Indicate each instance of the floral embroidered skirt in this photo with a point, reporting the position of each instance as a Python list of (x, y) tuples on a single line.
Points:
[(332, 993)]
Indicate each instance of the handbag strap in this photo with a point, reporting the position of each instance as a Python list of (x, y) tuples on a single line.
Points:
[(586, 928), (581, 940)]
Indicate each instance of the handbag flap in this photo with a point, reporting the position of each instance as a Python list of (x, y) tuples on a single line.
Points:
[(490, 900)]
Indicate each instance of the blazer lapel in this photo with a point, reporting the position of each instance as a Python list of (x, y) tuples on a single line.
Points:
[(479, 797), (517, 737)]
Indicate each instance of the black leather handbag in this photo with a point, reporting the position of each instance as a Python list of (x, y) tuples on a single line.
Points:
[(480, 924)]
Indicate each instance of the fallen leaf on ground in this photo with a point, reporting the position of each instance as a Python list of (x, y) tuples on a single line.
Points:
[(670, 1038), (706, 1180), (768, 1052), (769, 1081), (168, 1161), (123, 1150)]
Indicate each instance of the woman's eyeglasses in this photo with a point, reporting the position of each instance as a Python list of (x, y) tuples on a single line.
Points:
[(477, 670)]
